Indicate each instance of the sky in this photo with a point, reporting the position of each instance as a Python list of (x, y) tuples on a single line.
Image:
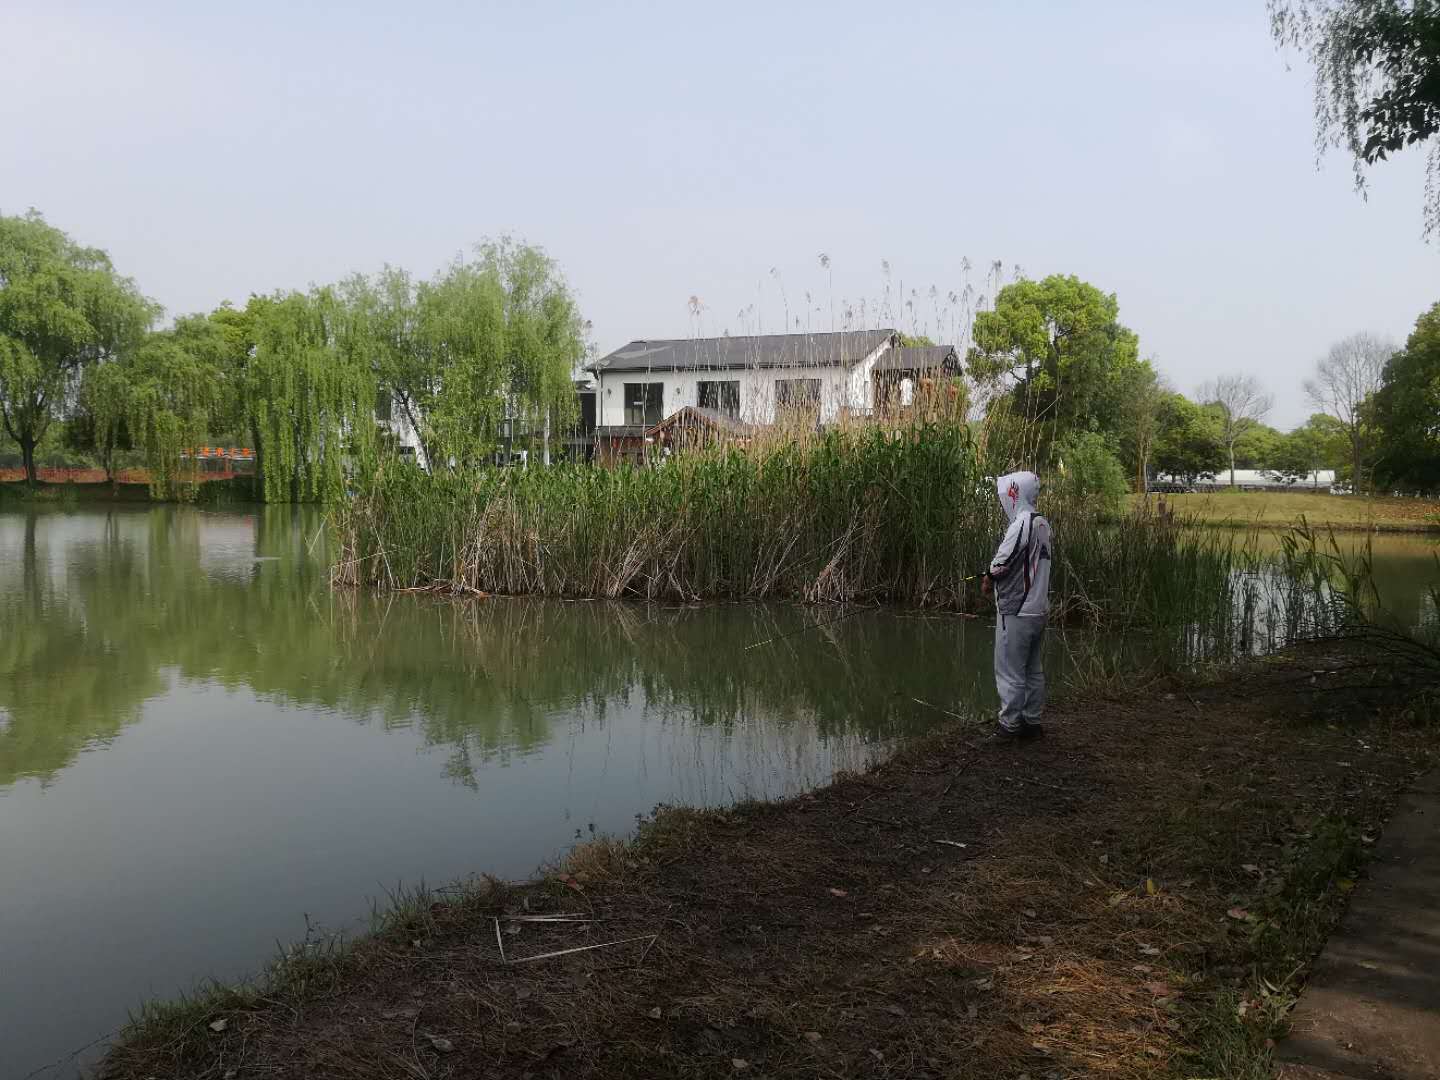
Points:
[(662, 153)]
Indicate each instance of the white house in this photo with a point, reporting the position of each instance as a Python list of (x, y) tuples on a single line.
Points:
[(393, 418), (1320, 480), (725, 382), (1267, 479), (756, 379)]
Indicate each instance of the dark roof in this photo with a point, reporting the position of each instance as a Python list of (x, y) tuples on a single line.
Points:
[(705, 417), (756, 351), (919, 358)]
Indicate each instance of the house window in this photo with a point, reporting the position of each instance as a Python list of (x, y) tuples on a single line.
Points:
[(797, 395), (384, 406), (644, 403), (721, 396)]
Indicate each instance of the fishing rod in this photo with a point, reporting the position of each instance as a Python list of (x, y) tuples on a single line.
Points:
[(827, 622)]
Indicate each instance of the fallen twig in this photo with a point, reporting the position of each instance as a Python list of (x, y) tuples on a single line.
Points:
[(1037, 783), (550, 918), (584, 948), (855, 809)]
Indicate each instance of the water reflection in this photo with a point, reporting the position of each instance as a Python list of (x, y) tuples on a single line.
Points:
[(201, 744), (97, 608)]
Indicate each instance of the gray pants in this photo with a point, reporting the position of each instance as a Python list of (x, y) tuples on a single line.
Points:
[(1019, 673)]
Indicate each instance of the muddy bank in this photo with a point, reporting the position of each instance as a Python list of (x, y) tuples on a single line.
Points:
[(1137, 894)]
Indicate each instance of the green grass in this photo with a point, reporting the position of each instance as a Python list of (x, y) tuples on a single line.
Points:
[(1233, 1031), (321, 966), (1281, 509)]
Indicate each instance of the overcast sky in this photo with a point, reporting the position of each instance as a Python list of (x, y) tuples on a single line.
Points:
[(663, 151)]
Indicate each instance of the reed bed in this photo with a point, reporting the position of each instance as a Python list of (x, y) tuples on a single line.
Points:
[(865, 513)]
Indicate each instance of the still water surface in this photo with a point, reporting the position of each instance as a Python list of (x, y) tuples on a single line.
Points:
[(201, 745)]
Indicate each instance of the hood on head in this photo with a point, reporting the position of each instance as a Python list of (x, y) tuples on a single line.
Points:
[(1018, 493)]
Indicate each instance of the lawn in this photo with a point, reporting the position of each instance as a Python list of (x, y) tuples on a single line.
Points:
[(1277, 509)]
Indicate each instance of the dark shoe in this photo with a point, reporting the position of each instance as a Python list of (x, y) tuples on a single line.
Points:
[(1024, 731)]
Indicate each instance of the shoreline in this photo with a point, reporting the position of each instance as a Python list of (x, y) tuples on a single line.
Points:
[(1108, 896), (1279, 511), (1382, 528)]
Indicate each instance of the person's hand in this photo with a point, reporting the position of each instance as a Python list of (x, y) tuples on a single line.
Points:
[(986, 586)]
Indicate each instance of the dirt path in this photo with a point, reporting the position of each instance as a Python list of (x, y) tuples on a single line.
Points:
[(1138, 894)]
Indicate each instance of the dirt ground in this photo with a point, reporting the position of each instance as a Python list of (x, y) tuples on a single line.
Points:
[(1137, 894)]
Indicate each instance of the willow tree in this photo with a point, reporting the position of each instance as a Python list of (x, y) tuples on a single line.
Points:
[(485, 346), (544, 335), (308, 393), (177, 396), (100, 423), (63, 308), (1377, 79)]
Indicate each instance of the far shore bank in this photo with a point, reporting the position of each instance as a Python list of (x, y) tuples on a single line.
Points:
[(1278, 510), (127, 492), (1360, 528), (1138, 893)]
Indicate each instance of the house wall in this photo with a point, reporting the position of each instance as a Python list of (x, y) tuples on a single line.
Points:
[(840, 388), (1262, 478), (404, 433)]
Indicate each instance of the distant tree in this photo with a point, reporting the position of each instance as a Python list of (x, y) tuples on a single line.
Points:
[(239, 345), (1316, 445), (63, 308), (1140, 394), (1240, 404), (1187, 440), (311, 395), (1089, 475), (99, 424), (1258, 447), (1377, 78), (484, 344), (1345, 381), (915, 341), (1060, 345), (177, 395), (1407, 410)]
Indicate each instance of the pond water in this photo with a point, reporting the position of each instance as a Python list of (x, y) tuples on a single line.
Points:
[(201, 745), (203, 748)]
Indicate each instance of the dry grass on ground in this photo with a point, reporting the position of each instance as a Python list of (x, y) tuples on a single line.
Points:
[(1135, 895), (1280, 509)]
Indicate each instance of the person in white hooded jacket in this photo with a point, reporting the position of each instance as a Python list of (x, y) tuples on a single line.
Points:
[(1019, 577)]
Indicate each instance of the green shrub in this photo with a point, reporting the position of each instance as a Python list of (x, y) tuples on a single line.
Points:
[(1089, 474)]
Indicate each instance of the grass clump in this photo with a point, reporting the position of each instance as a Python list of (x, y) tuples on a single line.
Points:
[(1232, 1032), (177, 1034)]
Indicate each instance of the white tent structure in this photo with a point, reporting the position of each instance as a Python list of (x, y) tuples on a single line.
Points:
[(1265, 479)]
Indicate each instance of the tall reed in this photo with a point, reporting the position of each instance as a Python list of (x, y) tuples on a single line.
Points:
[(864, 512)]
